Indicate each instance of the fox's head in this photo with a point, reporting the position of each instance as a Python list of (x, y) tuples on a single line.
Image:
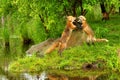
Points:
[(71, 18), (82, 18), (78, 22)]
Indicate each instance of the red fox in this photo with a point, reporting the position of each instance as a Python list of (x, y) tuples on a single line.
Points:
[(63, 40), (90, 34)]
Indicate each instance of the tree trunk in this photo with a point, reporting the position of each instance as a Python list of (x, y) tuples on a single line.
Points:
[(104, 12), (66, 12), (83, 11), (2, 21), (74, 8), (6, 40)]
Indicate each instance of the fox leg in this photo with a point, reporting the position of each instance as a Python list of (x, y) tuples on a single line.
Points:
[(62, 47), (90, 40), (52, 47)]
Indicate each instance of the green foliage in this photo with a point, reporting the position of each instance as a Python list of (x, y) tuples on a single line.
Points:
[(36, 31), (28, 61), (6, 34), (44, 17)]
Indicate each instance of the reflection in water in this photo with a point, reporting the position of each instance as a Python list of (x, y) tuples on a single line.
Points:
[(29, 77), (53, 76), (63, 77), (43, 76), (3, 77)]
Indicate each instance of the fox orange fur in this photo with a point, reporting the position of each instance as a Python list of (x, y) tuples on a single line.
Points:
[(90, 34), (63, 40)]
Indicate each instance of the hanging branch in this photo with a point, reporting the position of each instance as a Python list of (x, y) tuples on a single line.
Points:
[(45, 27), (42, 20)]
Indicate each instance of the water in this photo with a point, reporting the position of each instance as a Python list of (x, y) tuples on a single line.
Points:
[(57, 76)]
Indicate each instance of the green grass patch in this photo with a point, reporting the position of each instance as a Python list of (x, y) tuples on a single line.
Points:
[(104, 54)]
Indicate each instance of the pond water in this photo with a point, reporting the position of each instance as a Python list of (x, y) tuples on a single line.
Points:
[(7, 56), (56, 76)]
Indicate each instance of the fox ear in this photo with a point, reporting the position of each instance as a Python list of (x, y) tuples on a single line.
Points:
[(68, 18), (82, 17)]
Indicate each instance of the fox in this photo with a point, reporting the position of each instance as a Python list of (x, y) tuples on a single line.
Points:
[(61, 43), (90, 34)]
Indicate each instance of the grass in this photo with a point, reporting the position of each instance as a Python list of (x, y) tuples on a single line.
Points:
[(104, 54)]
